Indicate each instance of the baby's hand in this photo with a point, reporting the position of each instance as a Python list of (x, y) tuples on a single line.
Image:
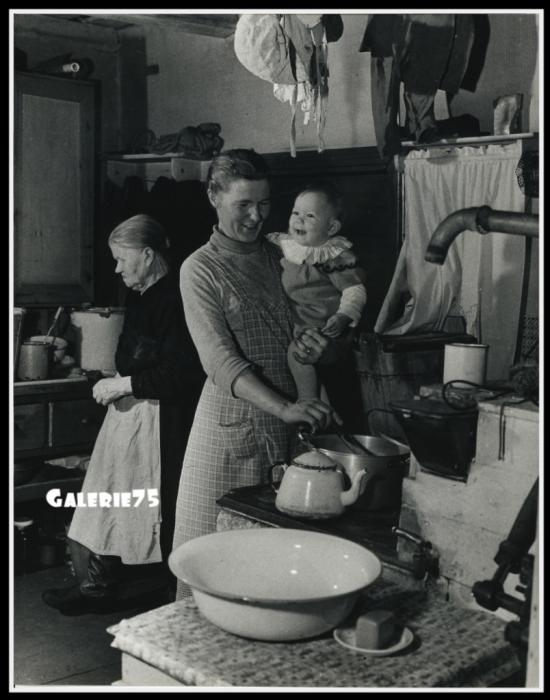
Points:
[(336, 325)]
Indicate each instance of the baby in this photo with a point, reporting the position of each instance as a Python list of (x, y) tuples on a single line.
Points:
[(321, 277)]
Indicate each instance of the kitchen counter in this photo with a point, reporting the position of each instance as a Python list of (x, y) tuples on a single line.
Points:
[(453, 647)]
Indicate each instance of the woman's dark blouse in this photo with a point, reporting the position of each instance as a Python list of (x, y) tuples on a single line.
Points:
[(156, 350), (155, 347)]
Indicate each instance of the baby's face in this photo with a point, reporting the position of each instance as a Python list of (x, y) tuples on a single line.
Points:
[(312, 220)]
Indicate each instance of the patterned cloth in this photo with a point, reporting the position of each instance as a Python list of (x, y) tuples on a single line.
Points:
[(232, 443)]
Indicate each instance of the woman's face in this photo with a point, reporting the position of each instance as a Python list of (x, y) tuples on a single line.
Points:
[(242, 208), (133, 265)]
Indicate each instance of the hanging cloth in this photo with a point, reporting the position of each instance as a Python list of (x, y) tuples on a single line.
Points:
[(308, 50), (481, 278)]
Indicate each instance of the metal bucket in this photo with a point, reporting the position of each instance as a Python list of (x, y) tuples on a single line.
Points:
[(97, 331)]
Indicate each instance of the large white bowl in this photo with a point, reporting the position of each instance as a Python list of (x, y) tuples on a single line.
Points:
[(274, 584)]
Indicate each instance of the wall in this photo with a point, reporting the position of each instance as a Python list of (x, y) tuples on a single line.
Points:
[(200, 79)]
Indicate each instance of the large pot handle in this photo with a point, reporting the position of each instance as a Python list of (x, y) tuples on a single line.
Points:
[(283, 465)]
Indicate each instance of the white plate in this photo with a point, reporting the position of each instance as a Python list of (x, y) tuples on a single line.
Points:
[(345, 636)]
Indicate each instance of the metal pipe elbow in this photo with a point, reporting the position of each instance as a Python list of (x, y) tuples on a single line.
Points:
[(480, 219), (447, 231)]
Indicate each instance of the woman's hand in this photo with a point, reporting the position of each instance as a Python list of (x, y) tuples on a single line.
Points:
[(311, 345), (107, 390), (316, 413)]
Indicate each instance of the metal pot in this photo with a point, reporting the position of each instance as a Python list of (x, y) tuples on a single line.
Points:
[(385, 468), (34, 360)]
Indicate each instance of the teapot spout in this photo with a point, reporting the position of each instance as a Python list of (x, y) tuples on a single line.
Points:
[(349, 497)]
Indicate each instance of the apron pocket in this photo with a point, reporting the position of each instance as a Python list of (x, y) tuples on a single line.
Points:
[(239, 439)]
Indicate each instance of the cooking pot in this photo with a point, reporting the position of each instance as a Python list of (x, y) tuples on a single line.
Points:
[(96, 331), (385, 467)]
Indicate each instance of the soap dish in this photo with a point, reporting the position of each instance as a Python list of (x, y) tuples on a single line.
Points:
[(345, 636)]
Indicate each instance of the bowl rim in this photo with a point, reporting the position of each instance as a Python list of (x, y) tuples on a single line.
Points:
[(274, 602)]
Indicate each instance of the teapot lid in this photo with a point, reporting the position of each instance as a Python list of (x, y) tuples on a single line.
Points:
[(314, 460)]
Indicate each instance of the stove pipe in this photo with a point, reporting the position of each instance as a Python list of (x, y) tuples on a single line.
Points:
[(480, 219)]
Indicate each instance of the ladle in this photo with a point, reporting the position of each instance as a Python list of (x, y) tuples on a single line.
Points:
[(50, 330)]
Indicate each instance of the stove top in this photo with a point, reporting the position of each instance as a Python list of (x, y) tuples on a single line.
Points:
[(371, 528)]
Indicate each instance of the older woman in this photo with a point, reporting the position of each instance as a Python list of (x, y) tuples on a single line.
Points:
[(239, 319), (139, 450)]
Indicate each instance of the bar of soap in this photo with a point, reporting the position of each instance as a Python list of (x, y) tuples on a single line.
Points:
[(374, 629)]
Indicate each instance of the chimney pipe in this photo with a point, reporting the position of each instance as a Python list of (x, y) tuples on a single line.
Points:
[(480, 219)]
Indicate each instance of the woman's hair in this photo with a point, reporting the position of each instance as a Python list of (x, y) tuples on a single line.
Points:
[(236, 164), (142, 231), (331, 193)]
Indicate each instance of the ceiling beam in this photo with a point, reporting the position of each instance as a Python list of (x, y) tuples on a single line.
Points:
[(207, 25)]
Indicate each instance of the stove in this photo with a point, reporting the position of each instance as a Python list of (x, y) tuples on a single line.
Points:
[(371, 528)]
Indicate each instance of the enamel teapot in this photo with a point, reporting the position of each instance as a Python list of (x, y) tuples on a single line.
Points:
[(313, 486)]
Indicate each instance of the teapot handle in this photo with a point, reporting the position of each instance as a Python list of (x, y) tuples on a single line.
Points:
[(284, 466)]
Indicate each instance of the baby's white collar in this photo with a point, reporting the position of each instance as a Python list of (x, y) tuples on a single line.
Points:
[(299, 254)]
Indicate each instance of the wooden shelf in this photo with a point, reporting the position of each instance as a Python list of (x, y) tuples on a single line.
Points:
[(151, 166), (407, 146), (476, 140)]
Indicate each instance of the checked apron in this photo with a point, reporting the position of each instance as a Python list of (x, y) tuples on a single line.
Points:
[(233, 443)]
